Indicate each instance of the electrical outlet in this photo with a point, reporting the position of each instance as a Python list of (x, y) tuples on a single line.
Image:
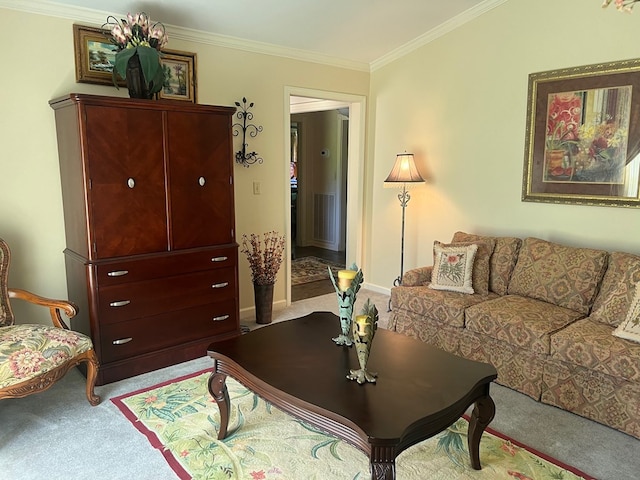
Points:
[(256, 188)]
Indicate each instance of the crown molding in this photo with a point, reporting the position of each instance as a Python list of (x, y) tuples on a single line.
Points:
[(436, 33), (98, 17), (198, 36)]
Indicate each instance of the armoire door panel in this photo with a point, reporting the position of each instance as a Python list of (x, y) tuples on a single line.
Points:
[(125, 163), (199, 179)]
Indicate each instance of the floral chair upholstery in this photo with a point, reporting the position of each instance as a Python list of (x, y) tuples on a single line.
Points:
[(34, 357)]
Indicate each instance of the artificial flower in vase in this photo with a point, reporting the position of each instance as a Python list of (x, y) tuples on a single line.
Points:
[(265, 257), (139, 42), (621, 5)]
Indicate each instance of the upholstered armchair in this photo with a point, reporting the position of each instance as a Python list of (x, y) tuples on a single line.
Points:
[(34, 357)]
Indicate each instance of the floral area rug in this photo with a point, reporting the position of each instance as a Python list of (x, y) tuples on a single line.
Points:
[(312, 269), (181, 420)]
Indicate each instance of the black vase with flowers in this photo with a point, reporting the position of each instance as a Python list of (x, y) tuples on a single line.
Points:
[(139, 42), (265, 257)]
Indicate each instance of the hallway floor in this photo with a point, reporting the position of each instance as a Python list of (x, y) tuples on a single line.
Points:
[(322, 287)]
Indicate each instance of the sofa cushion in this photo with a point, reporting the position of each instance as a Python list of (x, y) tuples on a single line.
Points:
[(441, 306), (502, 261), (520, 321), (453, 267), (591, 345), (481, 263), (617, 290), (27, 351), (564, 276), (630, 326)]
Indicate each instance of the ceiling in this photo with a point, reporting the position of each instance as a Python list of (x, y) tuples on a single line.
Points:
[(357, 31)]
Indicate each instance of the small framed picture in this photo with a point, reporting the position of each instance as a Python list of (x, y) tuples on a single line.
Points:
[(180, 76), (95, 55)]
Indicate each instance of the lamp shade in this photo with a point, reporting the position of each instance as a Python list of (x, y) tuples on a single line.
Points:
[(404, 170)]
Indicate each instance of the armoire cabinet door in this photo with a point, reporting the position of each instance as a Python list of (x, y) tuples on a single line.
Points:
[(127, 200), (200, 190)]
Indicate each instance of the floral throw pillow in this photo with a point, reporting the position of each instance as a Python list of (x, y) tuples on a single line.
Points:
[(453, 267), (630, 327)]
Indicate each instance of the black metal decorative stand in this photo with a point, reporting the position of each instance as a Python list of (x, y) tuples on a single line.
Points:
[(404, 198), (243, 157)]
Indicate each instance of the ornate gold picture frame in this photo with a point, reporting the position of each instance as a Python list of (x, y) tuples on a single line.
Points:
[(180, 76), (95, 55), (583, 136)]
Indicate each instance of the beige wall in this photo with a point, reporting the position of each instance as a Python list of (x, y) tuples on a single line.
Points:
[(38, 64), (459, 103)]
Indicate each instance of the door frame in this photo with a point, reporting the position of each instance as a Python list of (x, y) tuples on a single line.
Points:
[(355, 172)]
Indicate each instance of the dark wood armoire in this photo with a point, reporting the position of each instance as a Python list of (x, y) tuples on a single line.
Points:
[(151, 257)]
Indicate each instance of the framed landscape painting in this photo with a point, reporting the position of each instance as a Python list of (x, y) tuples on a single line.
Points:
[(583, 136), (180, 75), (95, 55)]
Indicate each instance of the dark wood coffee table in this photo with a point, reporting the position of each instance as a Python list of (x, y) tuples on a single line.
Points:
[(420, 389)]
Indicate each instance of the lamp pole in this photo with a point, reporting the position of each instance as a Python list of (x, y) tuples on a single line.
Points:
[(404, 198)]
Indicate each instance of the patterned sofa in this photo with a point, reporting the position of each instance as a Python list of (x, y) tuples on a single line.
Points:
[(544, 315)]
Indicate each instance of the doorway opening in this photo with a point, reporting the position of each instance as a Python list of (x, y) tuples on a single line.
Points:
[(325, 139)]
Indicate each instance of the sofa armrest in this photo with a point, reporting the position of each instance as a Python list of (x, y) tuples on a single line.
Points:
[(417, 276)]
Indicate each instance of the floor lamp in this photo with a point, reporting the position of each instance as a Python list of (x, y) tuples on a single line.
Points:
[(404, 172)]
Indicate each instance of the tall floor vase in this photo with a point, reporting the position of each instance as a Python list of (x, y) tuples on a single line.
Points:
[(263, 296)]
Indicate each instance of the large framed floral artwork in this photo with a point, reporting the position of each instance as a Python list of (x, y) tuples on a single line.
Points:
[(583, 136)]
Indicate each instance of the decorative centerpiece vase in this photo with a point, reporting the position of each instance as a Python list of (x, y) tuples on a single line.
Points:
[(347, 287), (363, 330)]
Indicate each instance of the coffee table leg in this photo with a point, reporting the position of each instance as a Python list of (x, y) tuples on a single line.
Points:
[(382, 463), (219, 392), (483, 412)]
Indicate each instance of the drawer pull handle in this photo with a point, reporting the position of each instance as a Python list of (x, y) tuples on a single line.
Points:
[(117, 273), (220, 318), (122, 341), (120, 303), (220, 285), (202, 181), (219, 259), (131, 183)]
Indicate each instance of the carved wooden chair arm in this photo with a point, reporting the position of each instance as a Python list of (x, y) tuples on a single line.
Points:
[(55, 306)]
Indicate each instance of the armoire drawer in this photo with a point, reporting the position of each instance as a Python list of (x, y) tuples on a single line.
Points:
[(142, 299), (174, 263), (134, 337)]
